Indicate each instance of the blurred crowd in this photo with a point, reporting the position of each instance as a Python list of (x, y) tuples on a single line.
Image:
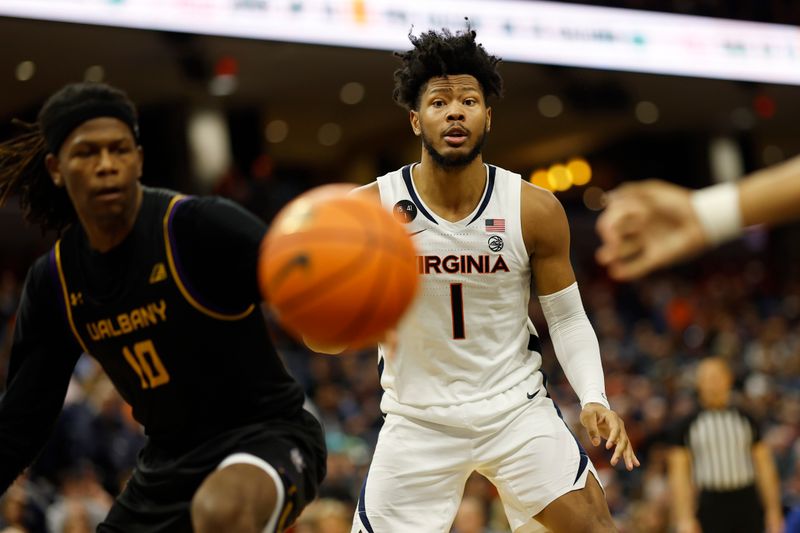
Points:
[(652, 335)]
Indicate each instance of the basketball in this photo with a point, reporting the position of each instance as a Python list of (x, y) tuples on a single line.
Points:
[(337, 270)]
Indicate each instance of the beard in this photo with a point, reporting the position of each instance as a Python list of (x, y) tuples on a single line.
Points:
[(456, 160)]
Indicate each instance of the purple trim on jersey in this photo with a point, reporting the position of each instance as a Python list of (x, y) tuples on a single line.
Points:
[(179, 269), (413, 194), (57, 283), (489, 190)]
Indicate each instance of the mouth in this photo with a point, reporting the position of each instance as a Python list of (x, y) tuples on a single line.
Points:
[(108, 193), (455, 136)]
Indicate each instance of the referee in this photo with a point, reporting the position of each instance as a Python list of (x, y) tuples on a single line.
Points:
[(719, 448)]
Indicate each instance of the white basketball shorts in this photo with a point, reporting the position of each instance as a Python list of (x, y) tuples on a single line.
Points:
[(417, 476)]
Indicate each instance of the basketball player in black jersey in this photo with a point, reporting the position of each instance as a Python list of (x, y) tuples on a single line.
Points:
[(161, 289)]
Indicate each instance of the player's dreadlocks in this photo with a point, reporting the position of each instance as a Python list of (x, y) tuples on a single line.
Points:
[(22, 158), (442, 54)]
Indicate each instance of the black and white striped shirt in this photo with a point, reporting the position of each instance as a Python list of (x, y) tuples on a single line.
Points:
[(720, 442)]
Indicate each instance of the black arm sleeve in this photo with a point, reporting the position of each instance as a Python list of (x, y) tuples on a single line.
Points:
[(218, 243), (43, 355)]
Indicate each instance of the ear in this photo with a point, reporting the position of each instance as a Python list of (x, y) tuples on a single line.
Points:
[(51, 163), (488, 119), (413, 117)]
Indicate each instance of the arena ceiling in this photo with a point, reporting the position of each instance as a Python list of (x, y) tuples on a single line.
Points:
[(301, 85)]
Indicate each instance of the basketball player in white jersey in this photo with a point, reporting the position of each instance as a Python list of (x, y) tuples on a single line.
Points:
[(463, 386)]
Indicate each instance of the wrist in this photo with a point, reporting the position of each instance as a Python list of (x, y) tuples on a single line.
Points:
[(598, 398), (717, 209)]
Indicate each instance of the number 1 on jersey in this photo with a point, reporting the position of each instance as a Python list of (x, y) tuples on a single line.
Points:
[(457, 307)]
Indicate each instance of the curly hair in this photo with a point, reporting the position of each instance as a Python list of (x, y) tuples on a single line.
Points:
[(22, 158), (441, 54), (23, 171)]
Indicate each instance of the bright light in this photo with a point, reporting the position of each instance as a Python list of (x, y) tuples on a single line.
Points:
[(209, 145), (276, 131), (538, 32), (580, 170), (25, 70), (559, 178), (539, 177)]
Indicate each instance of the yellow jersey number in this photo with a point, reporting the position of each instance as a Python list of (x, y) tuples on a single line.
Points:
[(147, 364)]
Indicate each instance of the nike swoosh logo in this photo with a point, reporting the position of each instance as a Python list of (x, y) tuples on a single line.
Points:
[(417, 232), (532, 396)]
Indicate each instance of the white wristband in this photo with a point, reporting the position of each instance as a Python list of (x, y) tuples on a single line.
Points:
[(717, 208)]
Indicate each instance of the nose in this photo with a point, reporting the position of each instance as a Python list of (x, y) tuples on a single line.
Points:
[(455, 113), (105, 164)]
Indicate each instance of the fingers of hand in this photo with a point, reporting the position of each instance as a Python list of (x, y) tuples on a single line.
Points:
[(618, 220), (630, 270), (613, 435), (589, 421), (618, 438), (625, 450), (621, 235)]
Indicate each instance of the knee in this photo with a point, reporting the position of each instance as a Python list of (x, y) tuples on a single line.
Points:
[(215, 511), (236, 499)]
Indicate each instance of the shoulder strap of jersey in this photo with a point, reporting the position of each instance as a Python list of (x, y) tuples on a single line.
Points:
[(57, 266), (175, 269)]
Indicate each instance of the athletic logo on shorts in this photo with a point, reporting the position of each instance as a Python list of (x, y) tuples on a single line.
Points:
[(495, 243), (405, 211), (297, 459)]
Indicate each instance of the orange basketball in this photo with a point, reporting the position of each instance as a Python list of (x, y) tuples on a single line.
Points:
[(337, 270)]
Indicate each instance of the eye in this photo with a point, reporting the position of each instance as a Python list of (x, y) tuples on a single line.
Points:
[(438, 103), (470, 101)]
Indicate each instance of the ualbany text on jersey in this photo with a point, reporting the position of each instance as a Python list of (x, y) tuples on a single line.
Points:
[(141, 317), (461, 264)]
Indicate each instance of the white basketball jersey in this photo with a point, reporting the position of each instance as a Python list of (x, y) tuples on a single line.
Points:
[(467, 350)]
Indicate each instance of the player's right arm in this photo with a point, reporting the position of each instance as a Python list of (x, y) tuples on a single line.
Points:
[(653, 224), (43, 355)]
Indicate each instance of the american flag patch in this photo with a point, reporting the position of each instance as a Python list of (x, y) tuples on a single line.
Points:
[(495, 224)]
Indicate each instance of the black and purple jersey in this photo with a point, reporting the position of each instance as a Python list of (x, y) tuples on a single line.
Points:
[(173, 316)]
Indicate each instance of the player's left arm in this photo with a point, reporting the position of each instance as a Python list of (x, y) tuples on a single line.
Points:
[(546, 234), (370, 192)]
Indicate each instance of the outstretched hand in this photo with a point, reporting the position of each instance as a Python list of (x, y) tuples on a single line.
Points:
[(603, 423), (645, 226)]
